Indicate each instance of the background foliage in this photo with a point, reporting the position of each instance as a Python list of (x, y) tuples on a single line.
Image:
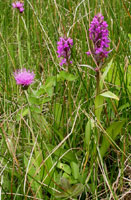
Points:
[(48, 135)]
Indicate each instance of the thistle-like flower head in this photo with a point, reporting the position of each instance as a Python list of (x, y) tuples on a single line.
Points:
[(19, 5), (24, 77)]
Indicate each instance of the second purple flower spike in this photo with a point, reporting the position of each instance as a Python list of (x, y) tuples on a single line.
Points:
[(98, 33), (64, 50), (19, 5)]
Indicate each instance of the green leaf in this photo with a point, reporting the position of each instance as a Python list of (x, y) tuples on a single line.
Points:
[(83, 177), (66, 168), (63, 75), (98, 106), (109, 94), (113, 130), (129, 79), (65, 183), (39, 159), (70, 156), (48, 175), (57, 113), (105, 73), (49, 91), (75, 170), (50, 81), (35, 109), (45, 100), (76, 190), (40, 92), (62, 195), (34, 100), (58, 132), (48, 87), (73, 191), (70, 178), (88, 134), (129, 35), (22, 113), (126, 105)]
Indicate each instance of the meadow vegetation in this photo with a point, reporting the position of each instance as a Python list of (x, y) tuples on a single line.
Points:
[(67, 134)]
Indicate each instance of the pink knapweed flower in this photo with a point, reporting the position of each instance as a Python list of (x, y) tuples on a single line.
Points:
[(64, 50), (24, 77), (19, 5)]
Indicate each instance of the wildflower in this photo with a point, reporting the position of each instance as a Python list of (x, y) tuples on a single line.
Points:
[(98, 33), (19, 5), (64, 50), (24, 77)]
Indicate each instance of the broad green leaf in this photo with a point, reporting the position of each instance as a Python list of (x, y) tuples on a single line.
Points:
[(40, 92), (45, 100), (98, 106), (49, 91), (50, 81), (70, 178), (22, 113), (70, 156), (34, 100), (44, 89), (83, 177), (88, 134), (48, 87), (75, 170), (109, 94), (63, 75), (66, 168), (36, 109), (105, 73), (57, 113), (112, 131), (39, 159)]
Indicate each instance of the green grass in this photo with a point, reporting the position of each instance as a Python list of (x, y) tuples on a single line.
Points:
[(49, 144)]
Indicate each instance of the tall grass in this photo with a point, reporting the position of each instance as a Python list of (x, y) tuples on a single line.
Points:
[(49, 147)]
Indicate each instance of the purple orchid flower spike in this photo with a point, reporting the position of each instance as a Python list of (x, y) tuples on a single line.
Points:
[(64, 46), (98, 33)]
